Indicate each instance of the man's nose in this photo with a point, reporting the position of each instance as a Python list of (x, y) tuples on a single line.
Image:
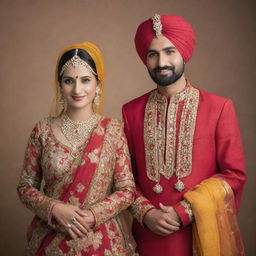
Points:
[(162, 60)]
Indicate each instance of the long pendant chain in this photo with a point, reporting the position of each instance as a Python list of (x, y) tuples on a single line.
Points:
[(77, 132)]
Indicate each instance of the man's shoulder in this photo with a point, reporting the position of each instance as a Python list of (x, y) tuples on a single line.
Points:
[(136, 103), (211, 98)]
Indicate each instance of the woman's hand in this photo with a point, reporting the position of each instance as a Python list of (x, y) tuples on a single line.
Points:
[(73, 219), (89, 218)]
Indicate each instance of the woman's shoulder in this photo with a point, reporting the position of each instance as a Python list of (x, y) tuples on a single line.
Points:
[(43, 126), (114, 125)]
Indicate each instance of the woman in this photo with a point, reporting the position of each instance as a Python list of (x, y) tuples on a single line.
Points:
[(84, 161)]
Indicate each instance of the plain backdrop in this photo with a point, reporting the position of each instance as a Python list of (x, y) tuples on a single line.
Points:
[(34, 32)]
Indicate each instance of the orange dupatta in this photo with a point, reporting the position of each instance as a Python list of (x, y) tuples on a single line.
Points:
[(215, 230)]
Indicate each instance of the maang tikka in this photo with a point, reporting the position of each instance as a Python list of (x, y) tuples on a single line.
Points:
[(76, 61)]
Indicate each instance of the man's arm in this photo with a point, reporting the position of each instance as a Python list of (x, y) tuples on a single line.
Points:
[(158, 221), (230, 159)]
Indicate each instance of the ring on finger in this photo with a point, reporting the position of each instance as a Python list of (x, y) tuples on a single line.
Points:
[(73, 220), (68, 226)]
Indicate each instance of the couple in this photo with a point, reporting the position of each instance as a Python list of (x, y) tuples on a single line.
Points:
[(186, 157)]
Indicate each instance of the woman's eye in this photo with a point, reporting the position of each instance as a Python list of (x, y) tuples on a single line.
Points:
[(68, 81), (85, 80)]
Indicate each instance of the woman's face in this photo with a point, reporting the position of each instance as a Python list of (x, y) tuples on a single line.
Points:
[(78, 87)]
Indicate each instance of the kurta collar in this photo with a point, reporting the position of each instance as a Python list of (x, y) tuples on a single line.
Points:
[(174, 99)]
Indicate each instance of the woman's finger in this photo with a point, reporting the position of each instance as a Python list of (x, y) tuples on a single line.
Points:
[(83, 223), (72, 233), (77, 231), (81, 226), (81, 212)]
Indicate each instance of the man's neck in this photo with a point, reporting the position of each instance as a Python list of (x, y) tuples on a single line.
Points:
[(170, 90)]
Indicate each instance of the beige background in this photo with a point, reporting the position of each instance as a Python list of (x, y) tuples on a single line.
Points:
[(32, 34)]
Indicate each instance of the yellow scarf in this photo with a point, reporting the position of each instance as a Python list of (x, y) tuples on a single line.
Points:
[(96, 55), (215, 230)]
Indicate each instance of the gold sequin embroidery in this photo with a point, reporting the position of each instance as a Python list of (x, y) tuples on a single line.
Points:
[(160, 134)]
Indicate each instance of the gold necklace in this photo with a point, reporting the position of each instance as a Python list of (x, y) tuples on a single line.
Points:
[(77, 132)]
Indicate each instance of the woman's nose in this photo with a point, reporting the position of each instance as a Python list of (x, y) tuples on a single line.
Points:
[(77, 86)]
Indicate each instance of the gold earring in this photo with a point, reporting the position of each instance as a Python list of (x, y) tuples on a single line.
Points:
[(97, 96), (62, 102)]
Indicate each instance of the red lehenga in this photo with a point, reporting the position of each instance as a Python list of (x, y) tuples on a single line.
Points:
[(99, 179)]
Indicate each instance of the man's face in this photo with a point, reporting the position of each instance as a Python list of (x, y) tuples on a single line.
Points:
[(164, 62)]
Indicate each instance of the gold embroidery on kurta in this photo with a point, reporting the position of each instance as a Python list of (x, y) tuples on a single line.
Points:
[(188, 209), (160, 134)]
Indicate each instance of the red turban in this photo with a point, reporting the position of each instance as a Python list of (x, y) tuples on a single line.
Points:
[(174, 28)]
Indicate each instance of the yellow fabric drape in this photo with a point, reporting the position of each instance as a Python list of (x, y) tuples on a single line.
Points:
[(96, 55), (215, 230)]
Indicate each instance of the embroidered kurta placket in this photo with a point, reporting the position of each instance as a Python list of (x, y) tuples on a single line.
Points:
[(163, 155)]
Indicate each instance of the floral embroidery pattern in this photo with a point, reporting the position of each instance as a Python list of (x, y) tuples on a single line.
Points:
[(111, 189), (140, 207), (188, 209), (162, 157)]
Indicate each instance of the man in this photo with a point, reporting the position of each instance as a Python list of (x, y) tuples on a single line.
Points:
[(180, 138)]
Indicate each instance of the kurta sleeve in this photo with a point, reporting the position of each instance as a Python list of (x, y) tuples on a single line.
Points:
[(123, 187), (141, 204), (230, 156), (184, 211), (230, 159), (31, 177)]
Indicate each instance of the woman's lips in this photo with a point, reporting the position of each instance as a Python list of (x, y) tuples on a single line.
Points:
[(78, 98)]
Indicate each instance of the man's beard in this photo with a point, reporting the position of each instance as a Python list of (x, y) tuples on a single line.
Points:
[(165, 80)]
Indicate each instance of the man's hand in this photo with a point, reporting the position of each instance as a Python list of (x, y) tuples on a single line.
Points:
[(162, 221), (171, 211)]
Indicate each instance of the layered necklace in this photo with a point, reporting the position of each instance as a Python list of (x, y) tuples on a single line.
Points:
[(76, 132)]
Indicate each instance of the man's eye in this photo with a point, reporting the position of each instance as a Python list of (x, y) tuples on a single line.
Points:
[(152, 54), (169, 52)]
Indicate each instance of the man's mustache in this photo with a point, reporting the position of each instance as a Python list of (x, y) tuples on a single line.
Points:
[(158, 68)]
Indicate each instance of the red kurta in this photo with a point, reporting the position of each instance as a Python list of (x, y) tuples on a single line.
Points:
[(216, 150)]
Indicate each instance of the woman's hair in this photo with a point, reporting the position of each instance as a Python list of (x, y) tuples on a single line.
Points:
[(71, 53)]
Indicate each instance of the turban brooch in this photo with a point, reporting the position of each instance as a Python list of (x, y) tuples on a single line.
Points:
[(175, 28)]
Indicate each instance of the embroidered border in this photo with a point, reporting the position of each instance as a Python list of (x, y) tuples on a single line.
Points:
[(139, 208), (161, 159), (186, 134), (188, 209)]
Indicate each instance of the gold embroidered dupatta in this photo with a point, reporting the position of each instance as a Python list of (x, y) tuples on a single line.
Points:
[(215, 230)]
